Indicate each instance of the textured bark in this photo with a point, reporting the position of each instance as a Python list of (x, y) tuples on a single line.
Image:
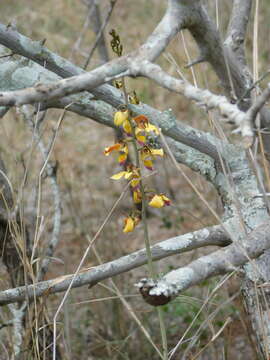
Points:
[(215, 236)]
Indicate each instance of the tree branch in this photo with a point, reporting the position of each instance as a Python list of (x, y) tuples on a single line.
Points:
[(201, 97), (258, 105), (209, 236), (217, 263), (238, 27), (15, 73), (176, 17), (99, 29)]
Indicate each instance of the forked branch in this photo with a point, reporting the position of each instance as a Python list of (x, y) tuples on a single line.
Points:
[(209, 236), (219, 262)]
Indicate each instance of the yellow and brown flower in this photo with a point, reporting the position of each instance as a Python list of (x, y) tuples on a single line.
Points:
[(129, 223), (147, 155), (158, 201), (120, 116)]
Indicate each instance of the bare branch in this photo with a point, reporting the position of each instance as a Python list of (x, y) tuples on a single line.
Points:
[(219, 262), (118, 68), (102, 112), (155, 44), (17, 323), (238, 27), (201, 97), (34, 50), (209, 236), (257, 106), (97, 24), (99, 35)]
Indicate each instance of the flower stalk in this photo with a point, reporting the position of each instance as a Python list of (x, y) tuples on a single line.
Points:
[(137, 130)]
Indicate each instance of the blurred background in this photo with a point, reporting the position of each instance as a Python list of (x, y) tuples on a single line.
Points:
[(94, 322)]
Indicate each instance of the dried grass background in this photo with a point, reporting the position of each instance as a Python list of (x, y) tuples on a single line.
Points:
[(94, 323)]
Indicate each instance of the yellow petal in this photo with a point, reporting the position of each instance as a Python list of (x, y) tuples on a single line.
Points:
[(141, 139), (166, 200), (120, 117), (134, 183), (127, 127), (153, 128), (125, 148), (115, 147), (157, 152), (137, 197), (129, 225), (157, 202), (118, 175), (122, 158), (128, 174), (148, 164)]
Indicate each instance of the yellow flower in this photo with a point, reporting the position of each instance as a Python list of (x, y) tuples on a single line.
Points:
[(152, 128), (131, 173), (141, 121), (144, 125), (148, 164), (157, 152), (120, 116), (148, 152), (140, 137), (125, 174), (127, 127), (137, 196), (122, 158), (121, 146), (158, 201), (135, 179), (129, 224)]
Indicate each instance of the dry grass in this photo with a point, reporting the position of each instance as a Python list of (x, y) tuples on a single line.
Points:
[(94, 323)]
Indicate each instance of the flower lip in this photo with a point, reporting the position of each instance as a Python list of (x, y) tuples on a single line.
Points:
[(120, 116), (159, 200), (127, 127), (130, 222)]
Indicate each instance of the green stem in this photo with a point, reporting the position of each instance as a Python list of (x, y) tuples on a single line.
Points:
[(151, 267), (144, 203), (163, 332)]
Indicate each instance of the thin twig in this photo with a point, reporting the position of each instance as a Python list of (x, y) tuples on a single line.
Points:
[(91, 242), (100, 33), (86, 24)]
